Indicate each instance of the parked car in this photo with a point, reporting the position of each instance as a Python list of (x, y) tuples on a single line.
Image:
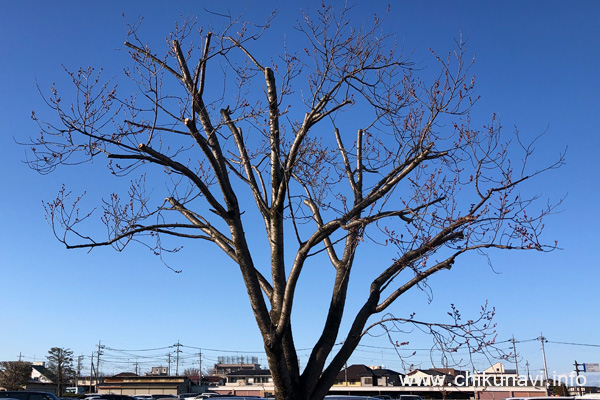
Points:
[(27, 395), (542, 398), (348, 397), (187, 395), (114, 397), (231, 397), (143, 396)]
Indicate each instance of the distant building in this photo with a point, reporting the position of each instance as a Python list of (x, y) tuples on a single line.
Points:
[(361, 375), (248, 382), (354, 375), (39, 373), (427, 377), (207, 380), (89, 383), (227, 365), (130, 384), (496, 375), (159, 371), (497, 382), (386, 377), (581, 390), (224, 369), (40, 379), (249, 377)]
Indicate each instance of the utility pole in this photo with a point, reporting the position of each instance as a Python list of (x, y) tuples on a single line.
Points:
[(100, 347), (577, 379), (92, 373), (515, 353), (169, 364), (79, 360), (543, 339), (528, 375), (200, 363), (177, 358), (19, 356), (346, 374)]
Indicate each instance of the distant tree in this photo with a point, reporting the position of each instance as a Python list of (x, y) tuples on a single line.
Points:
[(61, 367), (14, 375), (191, 372), (322, 151), (560, 390)]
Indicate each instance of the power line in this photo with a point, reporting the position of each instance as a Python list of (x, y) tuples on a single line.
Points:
[(574, 344), (116, 356), (246, 351), (390, 348), (158, 348), (228, 351)]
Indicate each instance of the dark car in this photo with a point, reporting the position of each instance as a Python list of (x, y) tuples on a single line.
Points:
[(26, 395), (114, 397)]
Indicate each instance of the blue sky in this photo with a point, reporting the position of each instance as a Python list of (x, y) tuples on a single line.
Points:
[(536, 65)]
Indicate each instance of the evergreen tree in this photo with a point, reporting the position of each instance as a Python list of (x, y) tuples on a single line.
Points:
[(60, 365)]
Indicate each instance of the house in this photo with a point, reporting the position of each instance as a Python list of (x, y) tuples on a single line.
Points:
[(159, 371), (247, 382), (497, 382), (39, 373), (386, 377), (207, 380), (427, 377), (361, 375), (249, 377), (496, 375), (39, 379), (354, 375)]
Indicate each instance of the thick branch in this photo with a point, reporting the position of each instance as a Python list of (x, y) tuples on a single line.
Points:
[(221, 240), (200, 74), (160, 158), (347, 167), (446, 264), (246, 164), (136, 230), (185, 72), (145, 53)]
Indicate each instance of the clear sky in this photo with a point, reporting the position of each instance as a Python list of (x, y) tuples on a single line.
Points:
[(537, 65)]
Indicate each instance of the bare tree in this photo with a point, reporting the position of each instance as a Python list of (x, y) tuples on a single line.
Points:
[(335, 145), (14, 375), (60, 365), (192, 371)]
